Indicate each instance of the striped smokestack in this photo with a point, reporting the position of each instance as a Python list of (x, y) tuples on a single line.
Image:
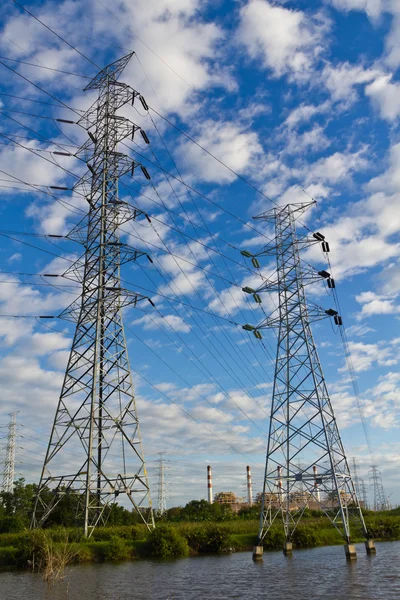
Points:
[(209, 484), (249, 487)]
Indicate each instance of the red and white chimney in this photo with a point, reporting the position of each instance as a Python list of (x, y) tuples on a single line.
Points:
[(209, 484), (249, 487)]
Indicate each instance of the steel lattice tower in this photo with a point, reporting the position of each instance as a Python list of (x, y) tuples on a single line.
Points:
[(161, 491), (9, 463), (380, 500), (359, 485), (306, 463), (95, 450)]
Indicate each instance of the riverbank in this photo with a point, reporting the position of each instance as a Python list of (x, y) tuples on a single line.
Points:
[(36, 549)]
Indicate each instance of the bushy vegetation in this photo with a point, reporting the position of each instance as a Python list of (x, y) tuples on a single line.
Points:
[(195, 528), (166, 542)]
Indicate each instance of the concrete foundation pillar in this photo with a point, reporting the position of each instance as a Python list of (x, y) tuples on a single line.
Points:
[(350, 550), (370, 547), (287, 548), (257, 552)]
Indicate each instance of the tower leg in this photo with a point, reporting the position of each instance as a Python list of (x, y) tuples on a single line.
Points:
[(370, 547), (288, 549), (350, 550), (257, 552)]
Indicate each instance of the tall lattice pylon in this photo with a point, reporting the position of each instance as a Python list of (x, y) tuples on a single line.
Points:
[(359, 485), (380, 499), (95, 450), (161, 487), (306, 465), (9, 463)]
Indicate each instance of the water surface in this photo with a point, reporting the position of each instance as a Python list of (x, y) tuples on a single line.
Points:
[(317, 574)]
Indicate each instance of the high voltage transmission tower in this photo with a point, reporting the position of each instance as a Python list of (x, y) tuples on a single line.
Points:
[(359, 485), (9, 463), (95, 449), (380, 500), (306, 465), (161, 488)]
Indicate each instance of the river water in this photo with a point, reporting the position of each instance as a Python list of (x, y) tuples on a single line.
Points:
[(317, 574)]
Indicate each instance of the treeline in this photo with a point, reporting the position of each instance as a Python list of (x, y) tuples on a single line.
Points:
[(16, 511)]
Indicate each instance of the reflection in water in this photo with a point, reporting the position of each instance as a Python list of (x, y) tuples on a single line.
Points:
[(318, 574)]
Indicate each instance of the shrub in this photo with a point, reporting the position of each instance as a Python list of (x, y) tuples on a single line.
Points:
[(305, 537), (117, 549), (208, 538), (165, 542)]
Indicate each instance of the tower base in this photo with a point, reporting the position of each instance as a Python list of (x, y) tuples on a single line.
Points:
[(257, 552), (370, 547), (350, 550), (288, 548)]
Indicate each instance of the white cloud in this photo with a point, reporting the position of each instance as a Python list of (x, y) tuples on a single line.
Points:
[(166, 322), (385, 95), (288, 41), (343, 78), (238, 149), (304, 113), (373, 8), (365, 356), (337, 167)]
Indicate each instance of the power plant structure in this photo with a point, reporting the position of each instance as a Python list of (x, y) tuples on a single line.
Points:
[(96, 420), (306, 461)]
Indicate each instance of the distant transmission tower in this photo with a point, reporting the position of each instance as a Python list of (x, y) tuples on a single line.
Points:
[(359, 485), (306, 464), (9, 463), (95, 450), (380, 500), (161, 488)]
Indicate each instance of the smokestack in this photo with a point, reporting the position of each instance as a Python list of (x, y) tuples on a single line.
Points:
[(209, 484), (249, 487), (317, 492)]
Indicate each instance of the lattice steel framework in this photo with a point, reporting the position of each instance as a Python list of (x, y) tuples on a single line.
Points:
[(96, 427), (380, 499), (359, 485), (161, 488), (9, 463), (306, 465)]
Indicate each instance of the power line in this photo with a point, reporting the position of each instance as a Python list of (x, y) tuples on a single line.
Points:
[(56, 34), (24, 62)]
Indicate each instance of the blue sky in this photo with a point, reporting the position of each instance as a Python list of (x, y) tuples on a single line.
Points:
[(302, 99)]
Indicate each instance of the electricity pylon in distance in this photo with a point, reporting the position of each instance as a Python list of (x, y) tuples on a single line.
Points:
[(95, 449), (9, 463), (161, 487), (380, 500), (306, 465)]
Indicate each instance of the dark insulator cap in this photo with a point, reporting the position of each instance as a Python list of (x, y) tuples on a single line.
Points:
[(144, 103), (148, 218), (338, 320), (58, 187), (324, 274), (149, 259), (144, 136), (331, 283), (325, 247), (331, 312), (318, 236), (65, 121), (62, 153), (145, 172), (151, 302)]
